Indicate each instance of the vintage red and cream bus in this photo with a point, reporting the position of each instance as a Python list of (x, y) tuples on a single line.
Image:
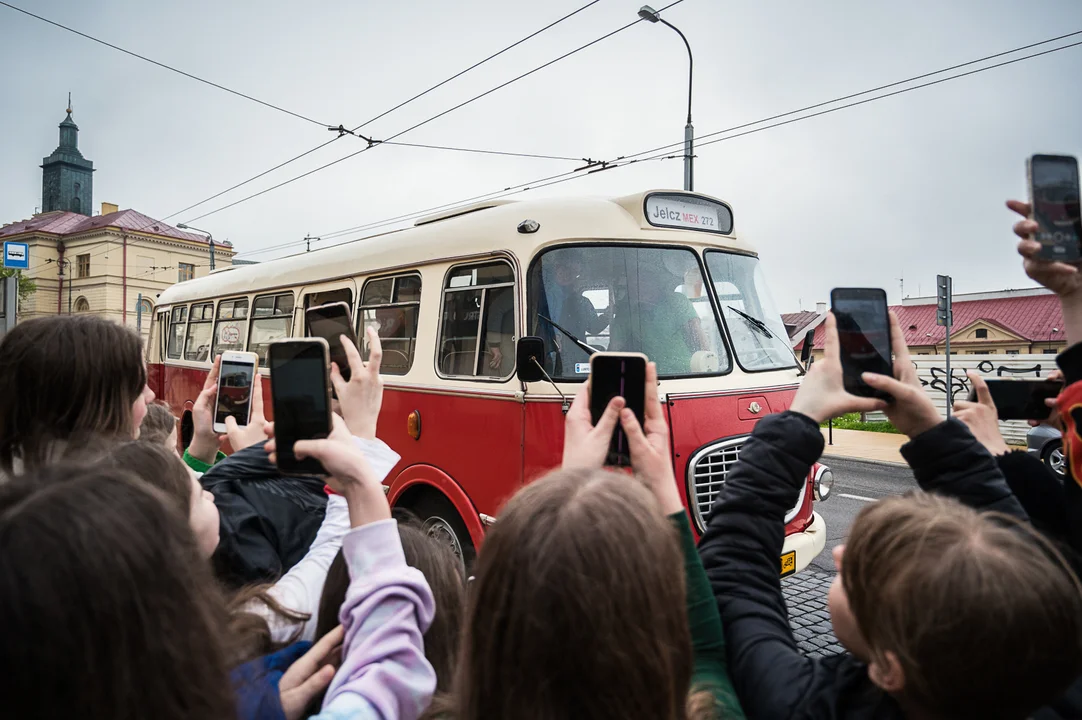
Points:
[(452, 297)]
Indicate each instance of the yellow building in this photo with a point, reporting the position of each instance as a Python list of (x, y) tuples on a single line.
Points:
[(113, 264)]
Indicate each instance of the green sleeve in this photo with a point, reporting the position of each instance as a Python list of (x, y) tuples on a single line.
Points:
[(707, 639), (198, 465)]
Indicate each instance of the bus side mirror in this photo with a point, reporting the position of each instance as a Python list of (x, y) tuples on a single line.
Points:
[(529, 359), (805, 352)]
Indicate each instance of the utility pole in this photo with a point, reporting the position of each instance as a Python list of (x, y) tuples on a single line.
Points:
[(210, 239), (308, 242), (649, 14), (944, 316)]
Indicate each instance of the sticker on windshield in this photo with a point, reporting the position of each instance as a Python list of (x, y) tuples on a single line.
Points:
[(582, 368)]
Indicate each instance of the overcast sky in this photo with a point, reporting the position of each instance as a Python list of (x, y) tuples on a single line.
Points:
[(911, 185)]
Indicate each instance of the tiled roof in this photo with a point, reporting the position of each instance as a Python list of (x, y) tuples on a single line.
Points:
[(1031, 317), (69, 223), (798, 321)]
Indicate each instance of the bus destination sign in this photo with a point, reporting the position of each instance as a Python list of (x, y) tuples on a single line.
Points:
[(688, 212)]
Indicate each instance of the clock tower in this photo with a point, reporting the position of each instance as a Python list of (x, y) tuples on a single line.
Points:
[(66, 181)]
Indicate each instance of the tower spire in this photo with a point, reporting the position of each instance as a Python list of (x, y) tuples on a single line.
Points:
[(69, 103)]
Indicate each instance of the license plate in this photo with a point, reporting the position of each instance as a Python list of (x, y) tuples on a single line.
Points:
[(788, 563)]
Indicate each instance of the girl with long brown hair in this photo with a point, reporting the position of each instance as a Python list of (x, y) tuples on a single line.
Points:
[(63, 379), (589, 600)]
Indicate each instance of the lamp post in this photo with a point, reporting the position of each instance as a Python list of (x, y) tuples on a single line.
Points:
[(210, 237), (651, 15)]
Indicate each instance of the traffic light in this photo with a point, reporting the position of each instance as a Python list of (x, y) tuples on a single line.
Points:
[(944, 315)]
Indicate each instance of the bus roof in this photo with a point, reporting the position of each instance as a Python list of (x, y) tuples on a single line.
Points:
[(486, 227)]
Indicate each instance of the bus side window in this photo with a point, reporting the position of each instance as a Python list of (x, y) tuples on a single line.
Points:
[(272, 318), (390, 305), (315, 299), (197, 342), (231, 329), (177, 322), (477, 327)]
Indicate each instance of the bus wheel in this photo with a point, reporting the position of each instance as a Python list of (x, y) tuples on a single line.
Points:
[(187, 430), (443, 524)]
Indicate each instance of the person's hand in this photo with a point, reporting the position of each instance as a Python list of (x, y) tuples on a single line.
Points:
[(206, 442), (497, 357), (349, 473), (1061, 278), (981, 417), (362, 397), (649, 446), (1053, 418), (912, 411), (242, 436), (311, 674), (822, 394), (585, 445)]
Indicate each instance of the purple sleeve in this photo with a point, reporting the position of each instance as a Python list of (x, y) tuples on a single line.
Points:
[(388, 607)]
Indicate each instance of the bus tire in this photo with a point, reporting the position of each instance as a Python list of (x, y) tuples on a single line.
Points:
[(442, 522), (187, 430)]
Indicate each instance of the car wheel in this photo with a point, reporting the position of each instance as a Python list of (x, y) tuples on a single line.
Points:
[(1053, 458), (442, 523)]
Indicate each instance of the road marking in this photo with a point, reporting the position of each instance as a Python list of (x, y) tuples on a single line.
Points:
[(857, 497)]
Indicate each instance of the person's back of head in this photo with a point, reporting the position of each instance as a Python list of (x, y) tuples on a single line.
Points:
[(159, 426), (577, 608), (445, 577), (155, 466), (109, 612), (962, 614), (63, 377)]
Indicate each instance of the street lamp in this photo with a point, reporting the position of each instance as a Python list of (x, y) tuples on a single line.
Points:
[(651, 15), (210, 237)]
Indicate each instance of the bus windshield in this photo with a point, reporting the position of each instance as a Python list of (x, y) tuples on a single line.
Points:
[(628, 299), (755, 326)]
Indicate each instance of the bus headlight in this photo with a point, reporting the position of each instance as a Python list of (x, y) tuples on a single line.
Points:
[(824, 483)]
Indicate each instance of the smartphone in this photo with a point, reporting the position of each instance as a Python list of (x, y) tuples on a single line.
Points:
[(613, 374), (300, 389), (1053, 197), (1021, 399), (331, 322), (236, 378), (864, 337)]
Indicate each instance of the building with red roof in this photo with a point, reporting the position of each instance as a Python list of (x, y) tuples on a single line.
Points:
[(1009, 322), (113, 264)]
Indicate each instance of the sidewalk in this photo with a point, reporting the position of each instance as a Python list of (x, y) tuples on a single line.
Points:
[(861, 445)]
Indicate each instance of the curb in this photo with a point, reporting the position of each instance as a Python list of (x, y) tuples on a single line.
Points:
[(866, 461)]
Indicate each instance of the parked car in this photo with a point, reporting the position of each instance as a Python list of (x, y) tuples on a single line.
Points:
[(1046, 442)]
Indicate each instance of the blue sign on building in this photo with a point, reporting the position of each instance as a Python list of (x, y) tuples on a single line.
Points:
[(16, 256)]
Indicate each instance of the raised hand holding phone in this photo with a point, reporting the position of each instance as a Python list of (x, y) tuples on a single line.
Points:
[(360, 397), (300, 390), (823, 393), (980, 415), (912, 411), (237, 373), (205, 442), (649, 445), (586, 445), (616, 374)]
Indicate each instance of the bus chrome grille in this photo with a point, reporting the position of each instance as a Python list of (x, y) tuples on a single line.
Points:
[(709, 468), (707, 472)]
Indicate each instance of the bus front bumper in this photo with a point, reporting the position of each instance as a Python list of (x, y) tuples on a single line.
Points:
[(802, 547)]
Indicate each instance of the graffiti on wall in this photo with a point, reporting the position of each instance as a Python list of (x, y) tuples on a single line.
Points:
[(958, 383)]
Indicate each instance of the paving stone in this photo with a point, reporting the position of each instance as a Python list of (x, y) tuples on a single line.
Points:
[(806, 598)]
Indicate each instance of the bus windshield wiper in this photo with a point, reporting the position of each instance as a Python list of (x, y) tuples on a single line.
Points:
[(586, 348), (765, 329)]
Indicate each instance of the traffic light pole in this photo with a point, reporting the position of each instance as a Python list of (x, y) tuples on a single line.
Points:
[(945, 317)]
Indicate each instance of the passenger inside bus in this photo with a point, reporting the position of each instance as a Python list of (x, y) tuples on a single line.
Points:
[(628, 299)]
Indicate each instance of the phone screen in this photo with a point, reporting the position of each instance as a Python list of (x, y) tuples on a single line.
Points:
[(234, 391), (1054, 194), (1021, 399), (863, 336), (612, 375), (301, 411), (330, 322)]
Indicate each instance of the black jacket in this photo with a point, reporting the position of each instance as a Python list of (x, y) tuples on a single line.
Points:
[(743, 541), (268, 521)]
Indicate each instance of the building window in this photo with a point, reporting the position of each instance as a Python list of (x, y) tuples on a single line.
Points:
[(186, 272), (231, 330), (200, 324), (982, 334), (272, 319), (477, 327), (1012, 352), (82, 266), (390, 305), (176, 331), (82, 305), (1050, 351)]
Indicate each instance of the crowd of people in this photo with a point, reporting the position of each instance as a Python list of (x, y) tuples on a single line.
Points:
[(139, 582)]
